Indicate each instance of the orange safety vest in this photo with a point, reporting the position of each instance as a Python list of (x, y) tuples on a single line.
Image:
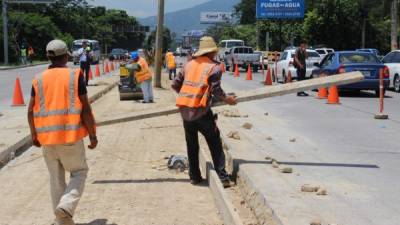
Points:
[(195, 90), (57, 109), (144, 73), (171, 62)]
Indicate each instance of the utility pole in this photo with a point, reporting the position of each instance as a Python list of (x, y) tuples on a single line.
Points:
[(394, 24), (159, 43), (5, 32)]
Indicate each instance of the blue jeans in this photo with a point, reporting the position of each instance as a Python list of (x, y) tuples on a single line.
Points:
[(147, 90)]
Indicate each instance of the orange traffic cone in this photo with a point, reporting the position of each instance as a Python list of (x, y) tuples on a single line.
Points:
[(289, 78), (322, 93), (223, 68), (249, 73), (18, 99), (107, 68), (97, 74), (90, 74), (268, 78), (236, 73), (333, 97)]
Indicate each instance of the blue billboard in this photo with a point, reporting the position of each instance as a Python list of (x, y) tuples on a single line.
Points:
[(280, 9)]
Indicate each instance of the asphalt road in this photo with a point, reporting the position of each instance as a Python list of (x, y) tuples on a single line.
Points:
[(26, 75), (341, 146)]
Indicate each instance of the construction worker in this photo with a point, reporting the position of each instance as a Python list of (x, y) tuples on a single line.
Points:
[(300, 58), (60, 117), (85, 55), (31, 53), (166, 57), (199, 81), (171, 65), (143, 77), (23, 55)]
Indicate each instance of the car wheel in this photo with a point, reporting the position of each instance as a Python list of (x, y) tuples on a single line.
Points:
[(284, 77), (378, 94), (396, 83)]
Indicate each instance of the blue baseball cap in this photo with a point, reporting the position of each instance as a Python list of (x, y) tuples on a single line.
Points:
[(134, 55)]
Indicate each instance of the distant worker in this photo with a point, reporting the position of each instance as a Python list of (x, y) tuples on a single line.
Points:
[(167, 55), (143, 76), (300, 58), (31, 53), (23, 55), (197, 84), (171, 65), (60, 117), (85, 55)]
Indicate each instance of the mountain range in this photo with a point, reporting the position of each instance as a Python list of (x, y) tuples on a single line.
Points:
[(189, 19)]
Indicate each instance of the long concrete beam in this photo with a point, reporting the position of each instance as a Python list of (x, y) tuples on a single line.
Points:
[(257, 94)]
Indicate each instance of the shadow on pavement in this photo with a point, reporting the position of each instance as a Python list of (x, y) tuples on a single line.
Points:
[(97, 222), (359, 94), (145, 181)]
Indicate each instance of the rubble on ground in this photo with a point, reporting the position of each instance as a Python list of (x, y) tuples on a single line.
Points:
[(309, 188), (234, 135), (287, 170), (247, 126)]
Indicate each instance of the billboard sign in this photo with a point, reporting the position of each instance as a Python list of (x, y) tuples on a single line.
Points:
[(215, 17), (280, 9)]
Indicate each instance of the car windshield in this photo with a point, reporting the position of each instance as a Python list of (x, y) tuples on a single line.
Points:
[(77, 46), (348, 58), (117, 51), (321, 51), (234, 44), (313, 54)]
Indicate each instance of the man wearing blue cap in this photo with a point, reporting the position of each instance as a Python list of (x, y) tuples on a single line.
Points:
[(143, 76)]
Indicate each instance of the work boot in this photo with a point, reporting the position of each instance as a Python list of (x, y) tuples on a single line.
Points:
[(226, 184), (196, 181), (64, 221), (63, 217)]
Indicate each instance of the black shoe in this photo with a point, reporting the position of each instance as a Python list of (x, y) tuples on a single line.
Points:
[(226, 183), (305, 94), (144, 102), (196, 181), (151, 101)]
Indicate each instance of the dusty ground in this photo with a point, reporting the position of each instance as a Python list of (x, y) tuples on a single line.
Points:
[(122, 187), (128, 182)]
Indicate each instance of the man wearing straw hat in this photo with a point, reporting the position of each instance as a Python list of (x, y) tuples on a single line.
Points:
[(196, 85)]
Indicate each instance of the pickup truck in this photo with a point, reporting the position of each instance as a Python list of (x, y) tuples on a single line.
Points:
[(243, 56)]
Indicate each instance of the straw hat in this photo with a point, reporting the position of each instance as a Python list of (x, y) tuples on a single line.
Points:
[(207, 45)]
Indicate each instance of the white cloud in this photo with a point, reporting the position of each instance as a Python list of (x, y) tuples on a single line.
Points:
[(145, 8)]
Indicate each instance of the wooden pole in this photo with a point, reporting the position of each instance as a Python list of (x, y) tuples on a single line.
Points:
[(245, 96)]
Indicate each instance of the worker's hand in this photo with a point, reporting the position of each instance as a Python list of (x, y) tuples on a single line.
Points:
[(35, 141), (230, 100), (93, 142)]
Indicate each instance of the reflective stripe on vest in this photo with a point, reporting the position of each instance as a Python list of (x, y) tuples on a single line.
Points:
[(71, 109), (144, 73), (195, 89), (58, 128)]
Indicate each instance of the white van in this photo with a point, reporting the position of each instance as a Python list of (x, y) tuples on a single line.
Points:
[(226, 45), (94, 46)]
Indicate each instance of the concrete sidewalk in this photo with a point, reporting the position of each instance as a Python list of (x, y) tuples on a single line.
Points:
[(14, 128)]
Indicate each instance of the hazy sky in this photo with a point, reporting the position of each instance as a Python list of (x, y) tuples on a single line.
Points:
[(145, 8)]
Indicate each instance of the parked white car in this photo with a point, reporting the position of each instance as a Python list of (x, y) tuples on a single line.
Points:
[(285, 65), (392, 61), (324, 51)]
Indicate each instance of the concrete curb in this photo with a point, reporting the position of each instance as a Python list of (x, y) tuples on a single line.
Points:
[(25, 143), (252, 195), (25, 66), (222, 200)]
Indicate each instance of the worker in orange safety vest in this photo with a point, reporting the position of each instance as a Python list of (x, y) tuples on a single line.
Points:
[(60, 117), (196, 85)]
